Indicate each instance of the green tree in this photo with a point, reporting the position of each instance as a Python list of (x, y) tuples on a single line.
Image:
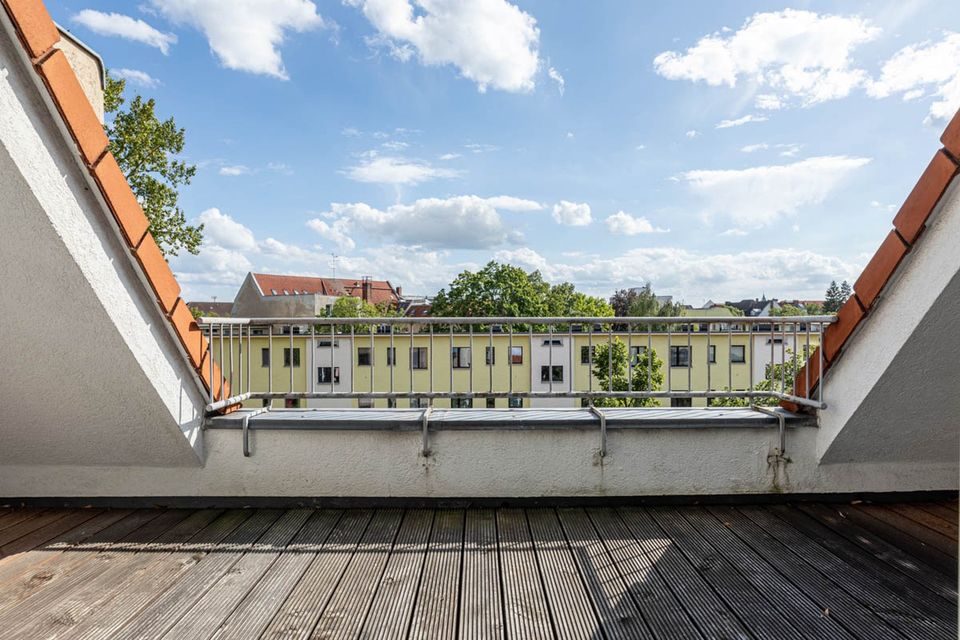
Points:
[(146, 150), (845, 291), (777, 377), (813, 309), (351, 307), (836, 296), (503, 290), (643, 302), (787, 310), (613, 356)]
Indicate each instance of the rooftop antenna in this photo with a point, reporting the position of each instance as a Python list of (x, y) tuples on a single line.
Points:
[(333, 263)]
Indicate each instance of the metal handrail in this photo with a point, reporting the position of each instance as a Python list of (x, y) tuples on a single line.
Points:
[(556, 327)]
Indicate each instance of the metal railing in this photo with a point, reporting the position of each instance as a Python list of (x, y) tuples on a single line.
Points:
[(647, 359)]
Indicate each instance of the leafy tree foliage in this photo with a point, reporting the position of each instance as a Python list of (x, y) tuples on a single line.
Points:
[(836, 296), (813, 309), (509, 291), (777, 377), (642, 301), (613, 356), (146, 148), (787, 310), (351, 307)]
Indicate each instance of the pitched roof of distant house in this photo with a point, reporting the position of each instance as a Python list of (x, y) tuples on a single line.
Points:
[(418, 310), (220, 309), (908, 227), (38, 34), (280, 285)]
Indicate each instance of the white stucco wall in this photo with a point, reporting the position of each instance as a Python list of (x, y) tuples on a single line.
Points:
[(487, 464), (92, 371), (319, 356), (542, 355), (893, 394)]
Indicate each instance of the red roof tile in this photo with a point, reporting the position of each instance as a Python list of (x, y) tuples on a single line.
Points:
[(912, 217), (34, 26), (951, 137), (880, 268), (270, 284)]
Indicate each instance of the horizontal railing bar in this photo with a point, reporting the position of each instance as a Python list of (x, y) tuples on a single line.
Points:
[(322, 320)]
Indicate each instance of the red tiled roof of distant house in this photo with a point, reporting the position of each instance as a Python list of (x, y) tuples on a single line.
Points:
[(381, 291), (908, 227), (38, 35)]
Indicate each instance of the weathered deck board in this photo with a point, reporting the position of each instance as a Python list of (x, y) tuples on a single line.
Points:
[(663, 573)]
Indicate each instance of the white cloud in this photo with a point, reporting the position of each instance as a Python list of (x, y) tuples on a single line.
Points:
[(396, 170), (787, 150), (460, 222), (476, 147), (750, 148), (693, 133), (450, 156), (768, 102), (572, 214), (245, 36), (734, 232), (222, 230), (556, 77), (234, 170), (918, 68), (726, 124), (395, 145), (140, 78), (491, 42), (693, 275), (624, 224), (335, 232), (760, 195), (350, 132), (123, 26), (570, 135), (640, 147), (795, 54)]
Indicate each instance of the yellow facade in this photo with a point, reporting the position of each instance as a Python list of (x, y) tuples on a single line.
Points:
[(435, 365)]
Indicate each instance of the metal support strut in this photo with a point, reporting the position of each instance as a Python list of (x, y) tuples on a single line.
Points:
[(425, 431), (781, 419), (246, 429), (603, 429)]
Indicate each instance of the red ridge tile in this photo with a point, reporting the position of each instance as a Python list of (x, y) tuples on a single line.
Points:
[(118, 194), (836, 334), (190, 333), (800, 387), (34, 25), (951, 136), (158, 273), (912, 217), (77, 113), (881, 266)]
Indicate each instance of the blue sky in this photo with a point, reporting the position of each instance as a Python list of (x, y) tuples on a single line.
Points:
[(719, 150)]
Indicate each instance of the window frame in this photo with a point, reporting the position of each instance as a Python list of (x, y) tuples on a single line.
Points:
[(546, 373), (456, 358), (264, 357), (291, 355), (489, 356), (743, 354), (336, 375), (675, 351), (364, 353), (516, 355), (420, 361), (590, 351), (712, 354)]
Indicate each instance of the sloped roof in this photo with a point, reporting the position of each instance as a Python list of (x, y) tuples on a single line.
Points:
[(908, 227), (220, 309), (38, 34), (278, 285)]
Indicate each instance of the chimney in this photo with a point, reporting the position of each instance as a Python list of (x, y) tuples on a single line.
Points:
[(399, 292), (366, 289)]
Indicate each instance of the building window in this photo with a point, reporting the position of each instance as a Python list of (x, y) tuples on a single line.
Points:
[(738, 354), (490, 355), (365, 403), (491, 403), (391, 403), (264, 357), (296, 356), (712, 354), (291, 403), (636, 353), (363, 357), (418, 358), (419, 403), (461, 403), (516, 355), (323, 375), (557, 373), (553, 343), (460, 357), (587, 354), (515, 402), (681, 402), (679, 356), (391, 356)]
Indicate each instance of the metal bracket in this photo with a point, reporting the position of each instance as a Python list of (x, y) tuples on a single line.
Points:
[(781, 419), (425, 431), (246, 429), (603, 429)]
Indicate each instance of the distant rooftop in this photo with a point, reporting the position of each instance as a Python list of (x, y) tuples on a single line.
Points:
[(284, 285)]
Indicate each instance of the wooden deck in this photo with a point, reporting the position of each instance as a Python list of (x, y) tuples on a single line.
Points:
[(799, 571)]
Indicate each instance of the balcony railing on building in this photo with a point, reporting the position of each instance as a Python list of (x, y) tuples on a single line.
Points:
[(515, 363)]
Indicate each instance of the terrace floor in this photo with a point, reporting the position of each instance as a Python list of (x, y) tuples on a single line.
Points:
[(785, 571)]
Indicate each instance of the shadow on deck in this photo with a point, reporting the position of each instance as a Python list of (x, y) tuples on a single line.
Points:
[(776, 571)]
